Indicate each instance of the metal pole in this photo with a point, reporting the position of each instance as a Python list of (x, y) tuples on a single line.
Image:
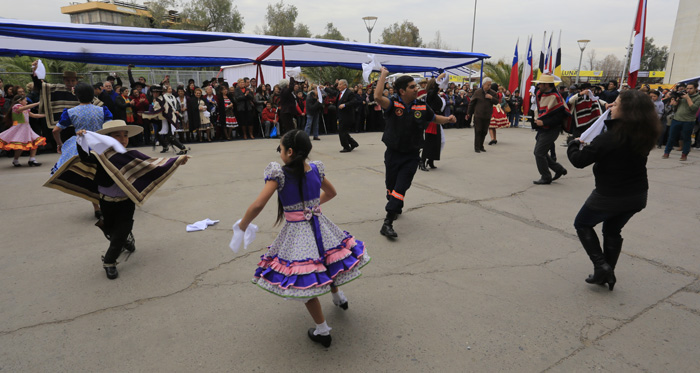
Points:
[(472, 50), (578, 73), (370, 36)]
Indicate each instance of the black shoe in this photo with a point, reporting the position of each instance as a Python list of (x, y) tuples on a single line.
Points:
[(353, 146), (98, 214), (559, 174), (346, 150), (431, 164), (477, 150), (165, 150), (542, 181), (483, 150), (183, 151), (16, 164), (343, 305), (111, 270), (316, 138), (324, 340), (34, 164), (388, 230), (492, 142)]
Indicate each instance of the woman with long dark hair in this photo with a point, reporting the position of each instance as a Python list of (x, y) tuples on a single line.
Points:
[(619, 156)]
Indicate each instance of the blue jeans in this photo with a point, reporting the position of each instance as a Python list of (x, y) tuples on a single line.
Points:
[(682, 130), (613, 222), (311, 124)]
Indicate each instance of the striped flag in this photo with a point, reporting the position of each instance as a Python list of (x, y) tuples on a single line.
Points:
[(548, 59), (638, 47), (557, 61), (513, 83), (526, 81), (543, 52)]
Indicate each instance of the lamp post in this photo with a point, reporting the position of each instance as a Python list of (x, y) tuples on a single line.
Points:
[(472, 49), (582, 45), (369, 23)]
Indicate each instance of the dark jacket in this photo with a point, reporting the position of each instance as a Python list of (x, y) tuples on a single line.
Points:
[(346, 115), (120, 107), (480, 106), (106, 98), (313, 107), (245, 101)]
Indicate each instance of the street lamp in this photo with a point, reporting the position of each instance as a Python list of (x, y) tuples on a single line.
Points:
[(582, 45), (369, 23)]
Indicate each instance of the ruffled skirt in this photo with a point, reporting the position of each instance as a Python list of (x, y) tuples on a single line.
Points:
[(499, 119), (294, 267), (20, 137)]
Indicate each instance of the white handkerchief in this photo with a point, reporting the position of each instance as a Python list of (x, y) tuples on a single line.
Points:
[(595, 129), (99, 143), (40, 71), (367, 68), (294, 72), (444, 83), (200, 225), (246, 238)]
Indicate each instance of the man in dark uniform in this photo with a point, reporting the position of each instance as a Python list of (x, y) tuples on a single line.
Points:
[(406, 119)]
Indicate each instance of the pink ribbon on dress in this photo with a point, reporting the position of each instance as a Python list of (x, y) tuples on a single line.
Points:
[(302, 215)]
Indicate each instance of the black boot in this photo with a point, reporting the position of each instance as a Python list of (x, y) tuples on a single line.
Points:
[(602, 272), (111, 270), (431, 164), (387, 228), (612, 247), (422, 166)]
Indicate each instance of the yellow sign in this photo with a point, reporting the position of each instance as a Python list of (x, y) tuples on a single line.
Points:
[(458, 79), (585, 73), (657, 74)]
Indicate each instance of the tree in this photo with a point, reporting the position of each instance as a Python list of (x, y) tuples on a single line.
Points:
[(160, 16), (280, 21), (331, 73), (498, 71), (212, 15), (611, 66), (404, 34), (654, 58), (332, 33), (438, 43), (591, 59)]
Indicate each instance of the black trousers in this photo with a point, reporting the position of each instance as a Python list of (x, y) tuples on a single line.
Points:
[(544, 142), (400, 169), (346, 140), (118, 221), (481, 128)]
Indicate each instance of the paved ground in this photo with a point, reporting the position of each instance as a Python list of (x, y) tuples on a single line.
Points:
[(487, 273)]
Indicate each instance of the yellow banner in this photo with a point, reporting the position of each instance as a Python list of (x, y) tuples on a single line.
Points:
[(585, 73)]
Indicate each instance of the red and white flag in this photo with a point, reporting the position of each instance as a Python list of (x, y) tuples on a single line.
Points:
[(526, 81), (513, 82), (638, 47)]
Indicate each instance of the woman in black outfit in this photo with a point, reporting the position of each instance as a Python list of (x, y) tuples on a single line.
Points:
[(619, 157), (433, 134)]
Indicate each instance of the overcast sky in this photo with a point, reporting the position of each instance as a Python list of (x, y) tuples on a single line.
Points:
[(499, 23)]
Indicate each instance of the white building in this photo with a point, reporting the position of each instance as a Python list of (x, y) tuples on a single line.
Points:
[(683, 58)]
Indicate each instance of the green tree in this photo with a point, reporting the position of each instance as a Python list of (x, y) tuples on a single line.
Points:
[(160, 16), (280, 21), (332, 33), (331, 73), (654, 58), (438, 43), (498, 71), (212, 15), (404, 34)]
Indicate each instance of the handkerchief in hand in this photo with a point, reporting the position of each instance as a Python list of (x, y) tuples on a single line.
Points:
[(294, 72), (595, 129), (367, 68), (99, 143), (40, 71), (240, 237)]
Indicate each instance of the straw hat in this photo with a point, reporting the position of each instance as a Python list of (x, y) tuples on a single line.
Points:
[(548, 78), (119, 125), (70, 75)]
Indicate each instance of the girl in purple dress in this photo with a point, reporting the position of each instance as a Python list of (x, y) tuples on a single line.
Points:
[(311, 256)]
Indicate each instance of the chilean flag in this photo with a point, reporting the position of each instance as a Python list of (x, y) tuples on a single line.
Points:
[(638, 48), (513, 83), (526, 81)]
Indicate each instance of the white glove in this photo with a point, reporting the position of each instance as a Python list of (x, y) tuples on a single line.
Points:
[(246, 238)]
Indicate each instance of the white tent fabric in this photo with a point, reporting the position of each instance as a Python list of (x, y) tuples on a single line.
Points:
[(271, 74), (113, 45)]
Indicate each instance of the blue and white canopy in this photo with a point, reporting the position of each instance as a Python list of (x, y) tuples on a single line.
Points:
[(112, 45)]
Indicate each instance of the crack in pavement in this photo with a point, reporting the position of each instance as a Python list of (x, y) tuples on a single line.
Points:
[(624, 322), (135, 303)]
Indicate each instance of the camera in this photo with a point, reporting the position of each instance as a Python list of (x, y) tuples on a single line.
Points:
[(677, 94)]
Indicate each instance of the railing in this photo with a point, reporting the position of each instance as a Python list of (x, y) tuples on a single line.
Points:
[(153, 76)]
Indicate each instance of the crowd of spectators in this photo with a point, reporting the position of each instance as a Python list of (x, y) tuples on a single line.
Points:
[(218, 110)]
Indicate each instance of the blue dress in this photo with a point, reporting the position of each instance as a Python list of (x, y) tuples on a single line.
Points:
[(310, 251), (82, 117)]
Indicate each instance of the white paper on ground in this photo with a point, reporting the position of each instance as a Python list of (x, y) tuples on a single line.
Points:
[(200, 225)]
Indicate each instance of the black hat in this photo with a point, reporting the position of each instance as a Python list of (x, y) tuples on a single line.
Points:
[(138, 85), (156, 88), (110, 77), (585, 85)]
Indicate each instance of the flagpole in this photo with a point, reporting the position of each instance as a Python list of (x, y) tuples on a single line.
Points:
[(629, 51)]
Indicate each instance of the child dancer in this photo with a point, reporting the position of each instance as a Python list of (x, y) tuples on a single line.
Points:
[(311, 256), (20, 136), (115, 202)]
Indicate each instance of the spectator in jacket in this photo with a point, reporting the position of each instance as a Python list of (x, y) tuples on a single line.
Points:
[(313, 111), (269, 119)]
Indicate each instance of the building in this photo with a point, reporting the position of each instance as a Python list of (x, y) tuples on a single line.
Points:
[(683, 61), (110, 12)]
